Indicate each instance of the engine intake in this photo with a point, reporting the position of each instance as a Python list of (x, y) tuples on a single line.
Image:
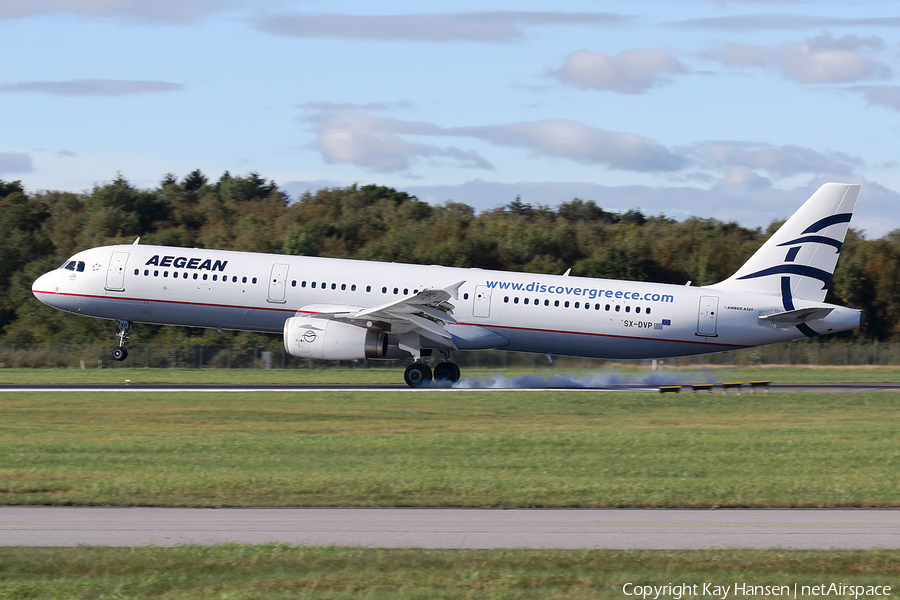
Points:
[(332, 340)]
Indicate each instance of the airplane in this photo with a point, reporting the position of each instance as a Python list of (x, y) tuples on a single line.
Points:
[(337, 309)]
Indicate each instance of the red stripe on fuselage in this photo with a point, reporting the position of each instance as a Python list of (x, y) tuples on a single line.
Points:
[(484, 325)]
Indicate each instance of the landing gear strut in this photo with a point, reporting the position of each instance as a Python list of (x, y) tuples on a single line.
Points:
[(119, 352)]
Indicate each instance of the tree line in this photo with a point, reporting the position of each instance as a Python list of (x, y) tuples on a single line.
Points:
[(372, 222)]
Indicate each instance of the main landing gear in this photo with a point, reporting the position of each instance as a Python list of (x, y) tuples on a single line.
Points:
[(418, 374), (119, 352)]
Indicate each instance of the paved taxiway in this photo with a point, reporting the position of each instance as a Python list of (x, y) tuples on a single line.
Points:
[(393, 388), (453, 527)]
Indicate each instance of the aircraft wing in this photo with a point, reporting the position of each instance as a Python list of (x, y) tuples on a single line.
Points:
[(426, 313), (793, 317)]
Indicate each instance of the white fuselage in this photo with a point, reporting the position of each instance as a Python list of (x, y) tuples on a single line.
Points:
[(520, 312)]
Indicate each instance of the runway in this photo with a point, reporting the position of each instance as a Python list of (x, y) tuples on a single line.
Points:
[(394, 388), (454, 527)]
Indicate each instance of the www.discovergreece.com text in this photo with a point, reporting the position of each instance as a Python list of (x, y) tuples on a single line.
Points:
[(590, 293)]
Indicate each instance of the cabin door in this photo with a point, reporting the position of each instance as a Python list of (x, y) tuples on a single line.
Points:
[(708, 317), (482, 306), (115, 276), (277, 283)]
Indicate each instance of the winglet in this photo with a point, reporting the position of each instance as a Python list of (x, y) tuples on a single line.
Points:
[(453, 290), (135, 242)]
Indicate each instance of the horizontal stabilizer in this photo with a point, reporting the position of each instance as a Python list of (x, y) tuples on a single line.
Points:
[(793, 317)]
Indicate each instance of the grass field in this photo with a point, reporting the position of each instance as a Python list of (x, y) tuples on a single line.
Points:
[(334, 573), (539, 448), (356, 375)]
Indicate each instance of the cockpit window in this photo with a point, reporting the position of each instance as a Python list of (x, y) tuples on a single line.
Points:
[(80, 267), (70, 266)]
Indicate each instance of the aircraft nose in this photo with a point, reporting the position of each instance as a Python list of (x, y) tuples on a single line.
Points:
[(41, 287)]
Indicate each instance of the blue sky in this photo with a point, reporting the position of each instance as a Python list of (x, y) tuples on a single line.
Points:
[(736, 110)]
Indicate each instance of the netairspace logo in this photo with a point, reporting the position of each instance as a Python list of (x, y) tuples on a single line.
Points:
[(689, 590)]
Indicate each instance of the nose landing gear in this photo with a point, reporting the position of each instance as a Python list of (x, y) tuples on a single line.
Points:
[(119, 352)]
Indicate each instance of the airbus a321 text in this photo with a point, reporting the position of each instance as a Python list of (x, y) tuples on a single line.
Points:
[(346, 309)]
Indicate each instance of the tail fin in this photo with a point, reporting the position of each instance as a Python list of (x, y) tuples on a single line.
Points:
[(798, 261)]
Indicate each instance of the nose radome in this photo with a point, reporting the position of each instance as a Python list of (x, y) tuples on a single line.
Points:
[(41, 286)]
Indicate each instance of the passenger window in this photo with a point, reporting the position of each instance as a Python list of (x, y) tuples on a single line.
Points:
[(466, 296), (637, 309), (406, 291), (244, 280), (334, 286), (253, 280), (628, 309), (205, 276), (322, 285), (607, 308), (146, 272), (556, 303), (516, 300), (293, 283), (647, 311), (80, 267), (577, 305), (526, 300), (156, 273), (136, 272), (506, 299), (343, 286), (546, 303), (596, 307), (303, 284), (353, 288), (234, 279), (184, 275), (618, 308), (313, 284), (195, 276), (368, 288), (215, 277), (396, 291)]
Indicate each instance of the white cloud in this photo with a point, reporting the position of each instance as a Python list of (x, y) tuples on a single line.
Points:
[(178, 11), (379, 144), (15, 162), (884, 95), (430, 27), (582, 143), (823, 59), (628, 72), (775, 21), (375, 144), (777, 161), (91, 87)]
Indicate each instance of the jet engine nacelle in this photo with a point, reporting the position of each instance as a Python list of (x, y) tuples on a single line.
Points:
[(332, 340)]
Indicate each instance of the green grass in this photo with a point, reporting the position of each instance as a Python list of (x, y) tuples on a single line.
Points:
[(777, 373), (335, 573), (544, 448)]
